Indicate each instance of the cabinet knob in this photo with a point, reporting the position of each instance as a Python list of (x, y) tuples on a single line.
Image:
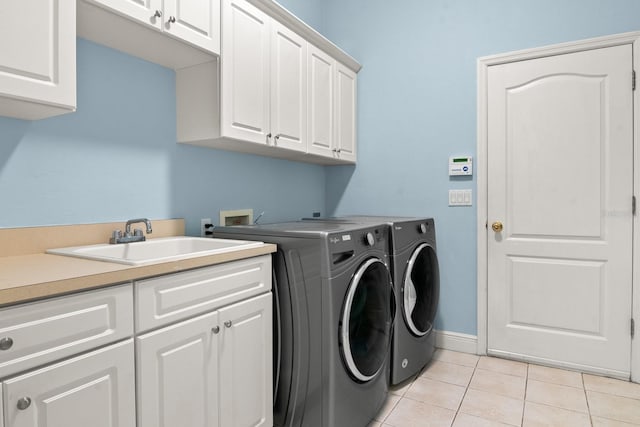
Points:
[(215, 329), (172, 19), (228, 323), (158, 14), (277, 137), (24, 403), (6, 343)]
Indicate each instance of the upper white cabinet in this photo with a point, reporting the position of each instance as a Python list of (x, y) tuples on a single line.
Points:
[(288, 88), (37, 58), (173, 33), (321, 102), (345, 116), (245, 72), (273, 91)]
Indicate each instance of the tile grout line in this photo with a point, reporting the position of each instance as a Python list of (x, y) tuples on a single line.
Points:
[(584, 389), (524, 398), (466, 389)]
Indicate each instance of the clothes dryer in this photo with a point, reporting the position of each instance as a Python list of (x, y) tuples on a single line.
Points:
[(333, 317), (416, 278)]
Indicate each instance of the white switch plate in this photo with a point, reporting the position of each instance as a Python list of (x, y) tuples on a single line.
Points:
[(460, 198)]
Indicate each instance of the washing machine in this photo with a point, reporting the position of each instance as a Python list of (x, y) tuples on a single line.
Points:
[(333, 316), (414, 267)]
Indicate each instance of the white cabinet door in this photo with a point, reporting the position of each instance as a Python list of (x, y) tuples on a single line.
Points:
[(321, 100), (178, 374), (148, 12), (95, 389), (246, 395), (195, 21), (245, 73), (288, 88), (37, 58), (345, 113)]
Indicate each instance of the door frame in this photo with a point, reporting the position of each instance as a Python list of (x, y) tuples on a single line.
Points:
[(483, 65)]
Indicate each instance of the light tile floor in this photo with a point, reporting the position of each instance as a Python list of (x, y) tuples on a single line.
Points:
[(463, 390)]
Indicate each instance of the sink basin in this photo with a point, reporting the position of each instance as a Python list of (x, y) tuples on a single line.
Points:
[(156, 250)]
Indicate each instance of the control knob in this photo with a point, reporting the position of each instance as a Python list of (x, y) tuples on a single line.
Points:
[(422, 228), (369, 240)]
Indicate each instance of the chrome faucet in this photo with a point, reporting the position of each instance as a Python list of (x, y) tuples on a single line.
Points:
[(129, 237)]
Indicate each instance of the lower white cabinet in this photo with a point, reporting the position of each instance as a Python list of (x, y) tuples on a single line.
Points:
[(95, 389), (208, 371), (246, 364), (203, 347), (178, 374)]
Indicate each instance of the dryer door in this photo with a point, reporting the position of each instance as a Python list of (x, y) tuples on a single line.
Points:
[(367, 315), (420, 290)]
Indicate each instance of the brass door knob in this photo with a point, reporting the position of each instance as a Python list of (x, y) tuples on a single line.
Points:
[(496, 226)]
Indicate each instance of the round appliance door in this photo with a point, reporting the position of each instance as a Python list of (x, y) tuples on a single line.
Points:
[(367, 316), (421, 290)]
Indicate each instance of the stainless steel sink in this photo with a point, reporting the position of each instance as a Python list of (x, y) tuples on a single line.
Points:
[(155, 250)]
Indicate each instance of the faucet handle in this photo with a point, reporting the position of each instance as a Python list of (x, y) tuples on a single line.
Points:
[(116, 235), (137, 232)]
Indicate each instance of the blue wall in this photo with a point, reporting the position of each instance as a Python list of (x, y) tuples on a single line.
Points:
[(117, 158), (417, 106)]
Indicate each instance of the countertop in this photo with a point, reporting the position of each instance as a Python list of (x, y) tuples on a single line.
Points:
[(28, 273), (33, 276)]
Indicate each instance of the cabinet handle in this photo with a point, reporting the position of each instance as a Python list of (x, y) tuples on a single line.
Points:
[(172, 19), (215, 329), (24, 403), (228, 323), (6, 343), (158, 14)]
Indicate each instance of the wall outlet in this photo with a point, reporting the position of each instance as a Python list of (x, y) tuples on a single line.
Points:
[(204, 222)]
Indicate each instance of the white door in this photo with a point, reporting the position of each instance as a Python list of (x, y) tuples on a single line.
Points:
[(178, 374), (321, 100), (345, 113), (96, 389), (246, 394), (38, 53), (560, 170), (288, 88), (194, 21), (245, 72)]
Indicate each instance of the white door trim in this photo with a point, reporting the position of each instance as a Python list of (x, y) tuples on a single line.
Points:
[(482, 157)]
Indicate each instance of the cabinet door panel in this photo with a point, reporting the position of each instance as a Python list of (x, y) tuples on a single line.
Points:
[(345, 113), (38, 52), (196, 21), (143, 11), (245, 72), (178, 374), (246, 397), (321, 98), (96, 389), (288, 88)]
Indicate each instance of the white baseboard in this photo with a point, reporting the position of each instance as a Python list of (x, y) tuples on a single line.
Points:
[(457, 342)]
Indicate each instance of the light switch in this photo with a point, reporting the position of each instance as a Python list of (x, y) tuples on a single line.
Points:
[(460, 198)]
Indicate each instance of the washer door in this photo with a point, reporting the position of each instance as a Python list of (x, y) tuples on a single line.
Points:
[(366, 320), (421, 290)]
